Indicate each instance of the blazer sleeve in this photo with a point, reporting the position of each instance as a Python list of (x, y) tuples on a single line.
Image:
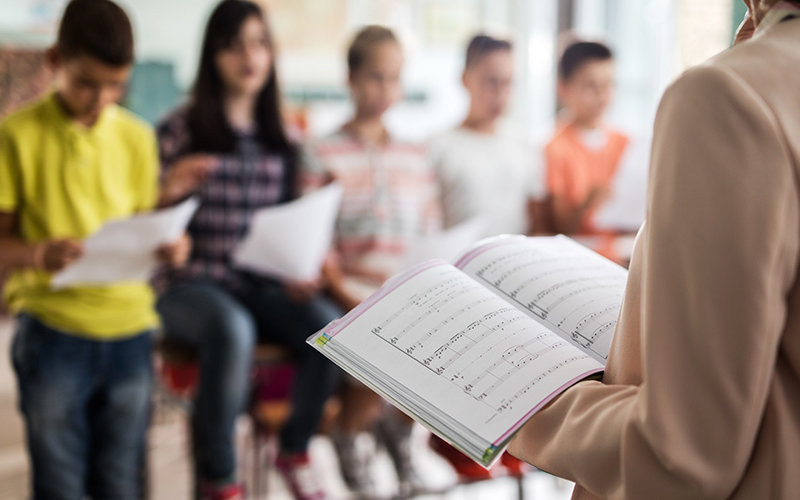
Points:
[(719, 257)]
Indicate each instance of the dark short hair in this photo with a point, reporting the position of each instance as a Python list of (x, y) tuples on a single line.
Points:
[(96, 28), (364, 41), (579, 53), (482, 45)]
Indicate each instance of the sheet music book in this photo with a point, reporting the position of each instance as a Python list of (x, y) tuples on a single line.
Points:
[(124, 250), (473, 350)]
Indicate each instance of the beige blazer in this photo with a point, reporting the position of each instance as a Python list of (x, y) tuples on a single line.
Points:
[(701, 397)]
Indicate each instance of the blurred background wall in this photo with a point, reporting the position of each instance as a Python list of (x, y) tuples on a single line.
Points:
[(653, 39)]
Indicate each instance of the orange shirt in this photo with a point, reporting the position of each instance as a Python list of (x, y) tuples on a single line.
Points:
[(575, 168)]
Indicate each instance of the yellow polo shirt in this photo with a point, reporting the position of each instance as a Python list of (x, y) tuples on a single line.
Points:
[(65, 180)]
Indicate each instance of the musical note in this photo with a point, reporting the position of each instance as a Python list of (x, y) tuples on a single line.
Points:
[(559, 283)]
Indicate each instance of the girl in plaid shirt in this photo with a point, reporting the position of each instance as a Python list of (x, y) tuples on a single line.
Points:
[(229, 148)]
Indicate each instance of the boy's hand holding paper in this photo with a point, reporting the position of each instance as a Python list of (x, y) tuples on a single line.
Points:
[(55, 255), (125, 250)]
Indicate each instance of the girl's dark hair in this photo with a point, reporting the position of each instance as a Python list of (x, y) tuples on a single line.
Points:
[(483, 45), (209, 127)]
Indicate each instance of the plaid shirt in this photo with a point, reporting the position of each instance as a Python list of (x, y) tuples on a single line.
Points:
[(244, 181)]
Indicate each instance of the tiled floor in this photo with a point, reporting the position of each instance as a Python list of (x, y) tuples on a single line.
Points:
[(169, 469)]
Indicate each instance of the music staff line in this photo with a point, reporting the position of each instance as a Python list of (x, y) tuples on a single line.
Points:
[(508, 364), (543, 311)]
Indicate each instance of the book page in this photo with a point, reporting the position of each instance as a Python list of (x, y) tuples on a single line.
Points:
[(454, 354), (563, 285)]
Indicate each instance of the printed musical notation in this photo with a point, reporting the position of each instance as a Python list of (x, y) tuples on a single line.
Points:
[(475, 340), (560, 283)]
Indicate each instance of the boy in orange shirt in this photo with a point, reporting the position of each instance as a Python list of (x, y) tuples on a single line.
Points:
[(584, 154)]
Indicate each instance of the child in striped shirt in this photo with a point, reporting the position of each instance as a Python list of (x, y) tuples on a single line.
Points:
[(390, 198)]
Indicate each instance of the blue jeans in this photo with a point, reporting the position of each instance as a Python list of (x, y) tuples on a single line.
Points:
[(86, 406), (223, 327)]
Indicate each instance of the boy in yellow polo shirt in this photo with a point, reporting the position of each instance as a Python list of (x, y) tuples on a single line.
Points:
[(69, 163)]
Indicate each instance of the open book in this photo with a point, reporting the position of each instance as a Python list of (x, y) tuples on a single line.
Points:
[(473, 350)]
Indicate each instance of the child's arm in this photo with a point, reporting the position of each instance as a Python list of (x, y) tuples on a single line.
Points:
[(182, 172), (539, 217), (184, 176), (51, 255), (15, 253), (333, 278), (567, 218), (177, 253)]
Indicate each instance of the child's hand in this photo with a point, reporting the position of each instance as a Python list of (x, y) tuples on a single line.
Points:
[(177, 253), (333, 281), (332, 270), (55, 255), (302, 291), (598, 195), (185, 176)]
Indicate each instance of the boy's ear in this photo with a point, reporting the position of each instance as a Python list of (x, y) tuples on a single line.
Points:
[(561, 89), (53, 57), (464, 78)]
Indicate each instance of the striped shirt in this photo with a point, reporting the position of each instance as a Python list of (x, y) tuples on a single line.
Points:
[(390, 198), (244, 181)]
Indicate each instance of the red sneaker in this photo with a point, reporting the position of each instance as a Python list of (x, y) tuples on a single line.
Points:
[(232, 491), (514, 466), (468, 471), (299, 476)]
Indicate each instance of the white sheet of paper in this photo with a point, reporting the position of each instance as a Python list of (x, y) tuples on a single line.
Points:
[(290, 241), (124, 250), (625, 209), (447, 244)]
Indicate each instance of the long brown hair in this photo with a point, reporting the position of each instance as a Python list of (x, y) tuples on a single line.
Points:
[(208, 125)]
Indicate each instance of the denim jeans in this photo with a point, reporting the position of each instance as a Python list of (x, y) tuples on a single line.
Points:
[(86, 406), (223, 327)]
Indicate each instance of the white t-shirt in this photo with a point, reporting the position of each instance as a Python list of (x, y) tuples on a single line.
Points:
[(491, 176)]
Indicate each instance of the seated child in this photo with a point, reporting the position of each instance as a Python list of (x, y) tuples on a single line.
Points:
[(486, 171), (390, 198), (228, 147), (583, 156)]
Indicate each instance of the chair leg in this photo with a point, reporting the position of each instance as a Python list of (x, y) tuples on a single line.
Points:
[(256, 462), (521, 487), (260, 482)]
